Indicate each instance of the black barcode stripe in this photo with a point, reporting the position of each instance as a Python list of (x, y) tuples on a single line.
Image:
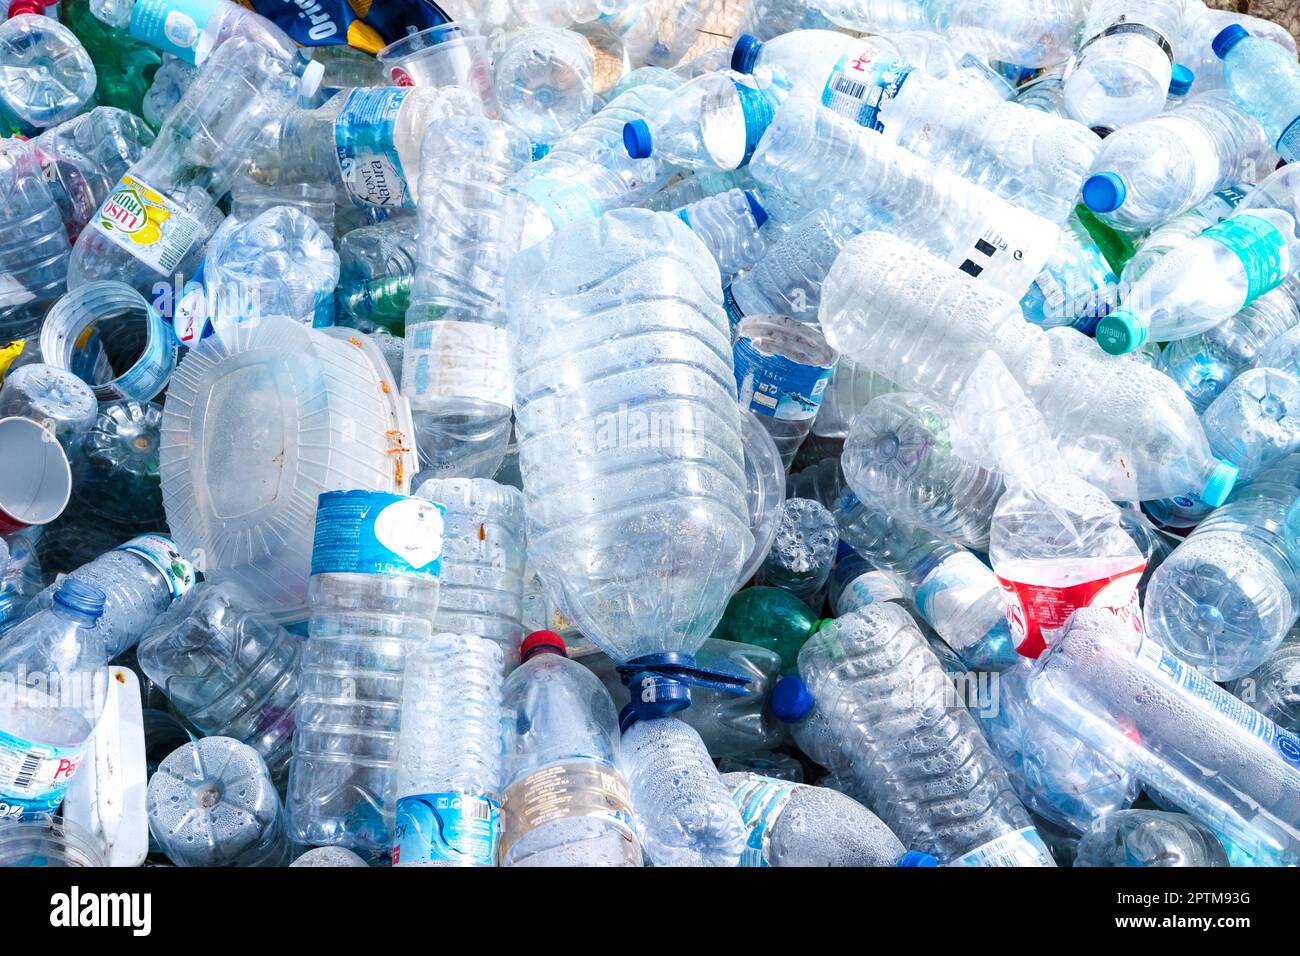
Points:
[(27, 771), (842, 84)]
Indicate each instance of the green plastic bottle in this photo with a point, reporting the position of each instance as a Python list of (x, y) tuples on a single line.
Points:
[(769, 617), (125, 65), (1116, 247)]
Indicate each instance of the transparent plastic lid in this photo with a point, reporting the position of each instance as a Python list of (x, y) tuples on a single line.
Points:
[(257, 424)]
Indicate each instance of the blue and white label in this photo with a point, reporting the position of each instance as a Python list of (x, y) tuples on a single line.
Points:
[(34, 777), (776, 386), (178, 27), (1155, 658), (863, 80), (446, 829), (952, 587), (163, 555), (873, 587), (377, 532), (1288, 144), (364, 138), (1017, 848), (760, 801)]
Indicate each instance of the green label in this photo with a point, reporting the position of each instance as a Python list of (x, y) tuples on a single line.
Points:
[(1259, 245)]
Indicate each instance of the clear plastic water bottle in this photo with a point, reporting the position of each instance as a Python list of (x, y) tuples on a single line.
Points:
[(139, 580), (684, 810), (673, 420), (59, 400), (482, 586), (782, 369), (34, 244), (823, 159), (1024, 32), (373, 592), (191, 32), (250, 199), (1227, 765), (1273, 688), (44, 840), (280, 263), (456, 361), (1264, 78), (1148, 173), (953, 591), (1076, 287), (1125, 62), (729, 224), (791, 824), (376, 269), (916, 749), (1149, 838), (449, 757), (544, 82), (940, 321), (855, 582), (1058, 777), (1229, 594), (1256, 421), (588, 172), (48, 76), (20, 579), (1201, 24), (803, 551), (899, 456), (212, 803), (1183, 228), (1205, 281), (170, 82), (329, 856), (713, 122), (153, 224), (852, 386), (116, 475), (768, 19), (822, 482), (787, 279), (42, 735), (365, 142), (228, 669), (565, 802)]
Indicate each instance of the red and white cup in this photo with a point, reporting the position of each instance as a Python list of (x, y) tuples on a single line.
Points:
[(35, 478)]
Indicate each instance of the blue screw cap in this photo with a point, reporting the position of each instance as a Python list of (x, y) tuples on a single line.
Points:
[(1220, 483), (745, 55), (917, 858), (1181, 81), (1228, 37), (791, 700), (1104, 192), (1121, 332), (637, 139)]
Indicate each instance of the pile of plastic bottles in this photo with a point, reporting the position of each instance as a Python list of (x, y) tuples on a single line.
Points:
[(502, 434)]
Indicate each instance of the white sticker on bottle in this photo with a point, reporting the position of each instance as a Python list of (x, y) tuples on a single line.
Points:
[(34, 777), (1018, 848), (148, 225), (450, 359), (1007, 252)]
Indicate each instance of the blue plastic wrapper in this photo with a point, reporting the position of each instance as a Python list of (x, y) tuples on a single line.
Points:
[(368, 25)]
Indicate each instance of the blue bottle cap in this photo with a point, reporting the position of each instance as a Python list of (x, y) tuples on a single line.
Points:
[(1104, 192), (1228, 37), (745, 55), (80, 597), (637, 139), (1121, 332), (1219, 485), (791, 700), (756, 207), (1181, 81), (917, 858)]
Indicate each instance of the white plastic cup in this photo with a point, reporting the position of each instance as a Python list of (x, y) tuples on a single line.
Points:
[(35, 479), (451, 54)]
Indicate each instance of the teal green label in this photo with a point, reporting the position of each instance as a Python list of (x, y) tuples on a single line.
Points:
[(1259, 245)]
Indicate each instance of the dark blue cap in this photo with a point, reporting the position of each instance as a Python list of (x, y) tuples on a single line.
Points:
[(917, 858), (1181, 81), (1104, 192), (791, 700), (80, 597), (1228, 37), (637, 139), (745, 55), (756, 207)]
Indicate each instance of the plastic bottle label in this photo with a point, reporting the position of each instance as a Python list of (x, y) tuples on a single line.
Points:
[(162, 554), (1155, 658), (34, 777), (449, 359), (776, 386), (148, 225), (1009, 253), (734, 314), (561, 793), (190, 320), (378, 533), (1259, 245), (760, 801), (862, 80), (947, 591), (446, 829), (178, 27), (873, 587), (1018, 848), (1135, 43), (1218, 206), (364, 139), (1288, 144), (1036, 613)]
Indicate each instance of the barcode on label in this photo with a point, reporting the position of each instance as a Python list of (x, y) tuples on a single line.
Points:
[(27, 772), (476, 809), (842, 84)]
